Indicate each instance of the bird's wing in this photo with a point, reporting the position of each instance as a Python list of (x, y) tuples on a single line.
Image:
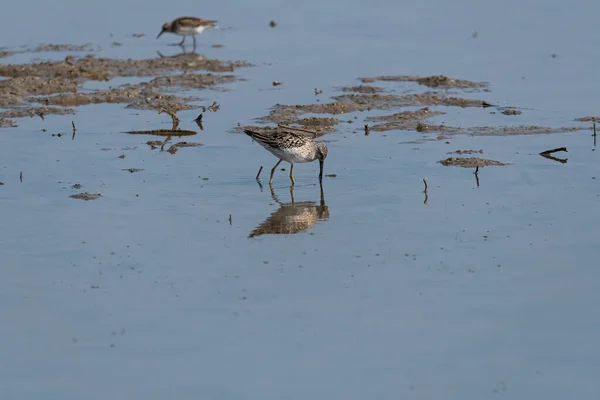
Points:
[(195, 22), (282, 138)]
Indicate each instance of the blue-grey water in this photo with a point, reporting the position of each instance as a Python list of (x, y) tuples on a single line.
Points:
[(151, 292)]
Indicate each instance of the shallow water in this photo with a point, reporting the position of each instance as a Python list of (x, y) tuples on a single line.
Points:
[(152, 292)]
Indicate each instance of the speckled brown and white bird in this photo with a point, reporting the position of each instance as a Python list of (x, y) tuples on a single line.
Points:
[(291, 145), (187, 26)]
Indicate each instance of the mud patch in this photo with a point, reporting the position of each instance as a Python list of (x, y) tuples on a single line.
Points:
[(86, 196), (59, 83), (64, 48), (36, 111), (439, 81), (469, 162), (362, 89), (588, 119), (7, 123), (406, 120), (132, 170), (93, 68), (383, 102), (460, 152), (135, 96)]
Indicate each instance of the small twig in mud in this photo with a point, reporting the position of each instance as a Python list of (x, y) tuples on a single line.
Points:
[(259, 171), (229, 219), (21, 176), (426, 198), (425, 182), (367, 130), (74, 130), (543, 153), (162, 147), (173, 117)]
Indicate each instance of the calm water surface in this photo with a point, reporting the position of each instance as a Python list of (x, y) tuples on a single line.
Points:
[(151, 292)]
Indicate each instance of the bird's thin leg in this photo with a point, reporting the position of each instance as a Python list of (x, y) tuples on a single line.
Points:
[(292, 174), (194, 41), (182, 41), (273, 172), (292, 193)]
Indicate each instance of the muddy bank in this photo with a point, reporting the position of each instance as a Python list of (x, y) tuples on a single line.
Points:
[(59, 83), (99, 69)]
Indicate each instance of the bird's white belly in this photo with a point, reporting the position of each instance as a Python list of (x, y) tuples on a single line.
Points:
[(191, 31), (292, 155)]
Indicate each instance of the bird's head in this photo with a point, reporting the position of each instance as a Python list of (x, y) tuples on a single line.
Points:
[(321, 151), (165, 28)]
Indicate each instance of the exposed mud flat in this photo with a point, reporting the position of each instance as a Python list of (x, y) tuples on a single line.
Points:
[(438, 81), (366, 98), (470, 162), (59, 83)]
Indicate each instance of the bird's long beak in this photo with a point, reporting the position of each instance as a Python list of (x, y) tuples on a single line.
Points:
[(321, 162), (161, 32)]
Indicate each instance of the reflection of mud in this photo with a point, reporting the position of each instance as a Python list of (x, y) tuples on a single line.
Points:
[(292, 218), (469, 162), (60, 82)]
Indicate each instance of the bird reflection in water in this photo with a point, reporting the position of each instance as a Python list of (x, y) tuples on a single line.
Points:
[(292, 217)]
